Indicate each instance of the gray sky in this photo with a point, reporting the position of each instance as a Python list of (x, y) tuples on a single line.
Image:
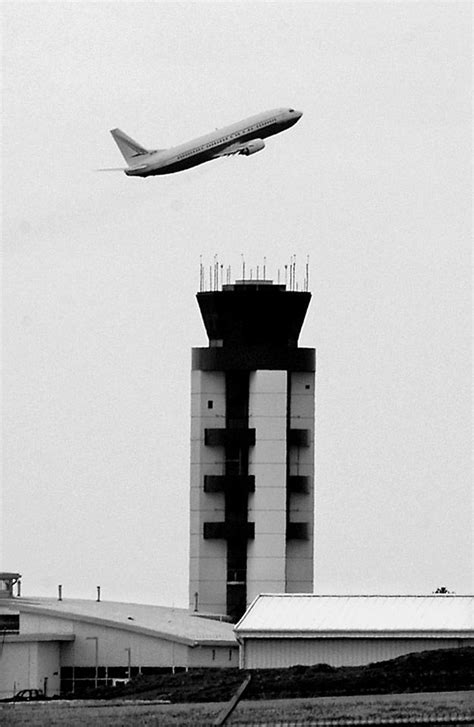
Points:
[(100, 273)]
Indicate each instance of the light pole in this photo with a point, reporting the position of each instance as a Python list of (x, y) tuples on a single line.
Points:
[(129, 662), (96, 639)]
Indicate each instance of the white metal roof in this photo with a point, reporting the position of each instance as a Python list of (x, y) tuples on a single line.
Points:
[(303, 614), (174, 624)]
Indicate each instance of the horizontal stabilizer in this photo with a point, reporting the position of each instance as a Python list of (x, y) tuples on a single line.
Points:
[(112, 169)]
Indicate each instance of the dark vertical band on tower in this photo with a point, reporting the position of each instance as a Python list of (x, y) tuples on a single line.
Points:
[(236, 493)]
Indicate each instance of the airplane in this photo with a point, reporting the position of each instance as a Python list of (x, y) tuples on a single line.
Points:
[(245, 137)]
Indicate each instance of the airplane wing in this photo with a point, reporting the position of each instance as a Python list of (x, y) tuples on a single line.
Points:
[(229, 150), (241, 147)]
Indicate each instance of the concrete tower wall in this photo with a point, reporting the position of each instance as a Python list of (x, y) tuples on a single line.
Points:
[(299, 552), (267, 505), (208, 573)]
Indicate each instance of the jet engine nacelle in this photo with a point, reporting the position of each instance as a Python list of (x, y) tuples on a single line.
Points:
[(253, 146)]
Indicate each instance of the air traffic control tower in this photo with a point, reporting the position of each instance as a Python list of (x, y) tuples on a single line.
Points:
[(252, 448)]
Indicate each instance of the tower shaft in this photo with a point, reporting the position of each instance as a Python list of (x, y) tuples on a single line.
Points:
[(252, 449)]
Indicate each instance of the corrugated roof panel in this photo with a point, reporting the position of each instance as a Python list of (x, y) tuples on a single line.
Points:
[(293, 613)]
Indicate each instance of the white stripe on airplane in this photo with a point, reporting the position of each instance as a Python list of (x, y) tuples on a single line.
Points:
[(245, 137)]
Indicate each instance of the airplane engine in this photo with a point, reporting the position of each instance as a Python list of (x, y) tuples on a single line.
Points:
[(253, 146)]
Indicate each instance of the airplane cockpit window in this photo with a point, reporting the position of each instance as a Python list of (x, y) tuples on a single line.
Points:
[(292, 111)]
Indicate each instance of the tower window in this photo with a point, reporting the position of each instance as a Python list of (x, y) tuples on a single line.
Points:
[(307, 386), (210, 404)]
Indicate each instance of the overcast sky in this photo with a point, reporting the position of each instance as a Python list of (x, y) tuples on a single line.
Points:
[(100, 273)]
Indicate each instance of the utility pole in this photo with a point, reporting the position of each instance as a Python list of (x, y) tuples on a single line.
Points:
[(129, 662)]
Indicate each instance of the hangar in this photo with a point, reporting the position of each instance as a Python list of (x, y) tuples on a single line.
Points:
[(66, 645), (281, 630)]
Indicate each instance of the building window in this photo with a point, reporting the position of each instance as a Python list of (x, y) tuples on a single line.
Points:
[(307, 386), (9, 624), (213, 655), (210, 404), (230, 654)]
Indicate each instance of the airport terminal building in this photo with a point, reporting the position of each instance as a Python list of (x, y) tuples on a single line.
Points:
[(68, 645)]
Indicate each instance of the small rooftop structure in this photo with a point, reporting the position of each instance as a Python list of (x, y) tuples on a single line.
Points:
[(7, 581)]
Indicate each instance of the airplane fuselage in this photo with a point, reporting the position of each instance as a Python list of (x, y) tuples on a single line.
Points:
[(222, 142)]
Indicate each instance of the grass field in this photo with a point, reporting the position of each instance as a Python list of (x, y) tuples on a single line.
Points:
[(139, 714)]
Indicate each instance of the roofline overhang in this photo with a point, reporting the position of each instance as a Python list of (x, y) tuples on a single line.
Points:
[(363, 595), (231, 643), (15, 638), (359, 634)]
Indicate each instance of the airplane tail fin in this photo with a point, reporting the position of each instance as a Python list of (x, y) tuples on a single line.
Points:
[(129, 148)]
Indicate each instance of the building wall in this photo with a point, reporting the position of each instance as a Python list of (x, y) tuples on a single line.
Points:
[(274, 653), (113, 645), (114, 642), (16, 668), (267, 505), (26, 665), (37, 623), (208, 572), (213, 656), (48, 666)]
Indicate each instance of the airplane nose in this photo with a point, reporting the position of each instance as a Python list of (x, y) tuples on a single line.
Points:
[(293, 116)]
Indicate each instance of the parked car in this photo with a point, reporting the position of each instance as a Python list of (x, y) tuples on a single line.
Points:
[(26, 695)]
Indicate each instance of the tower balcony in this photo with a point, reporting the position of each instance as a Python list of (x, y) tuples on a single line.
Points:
[(253, 357), (227, 483), (299, 437), (229, 437), (297, 531), (299, 483), (229, 531)]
